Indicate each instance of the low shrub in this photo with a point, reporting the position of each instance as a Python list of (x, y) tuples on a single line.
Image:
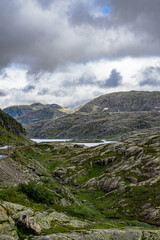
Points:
[(37, 192)]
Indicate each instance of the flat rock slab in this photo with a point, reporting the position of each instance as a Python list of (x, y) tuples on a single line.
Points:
[(100, 234)]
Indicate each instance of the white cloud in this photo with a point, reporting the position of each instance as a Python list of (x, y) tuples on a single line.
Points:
[(53, 88)]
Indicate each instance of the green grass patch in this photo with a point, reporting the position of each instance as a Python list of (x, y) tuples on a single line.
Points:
[(37, 192)]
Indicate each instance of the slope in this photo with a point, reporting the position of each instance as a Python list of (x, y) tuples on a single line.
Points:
[(26, 114), (107, 192), (10, 129), (108, 116)]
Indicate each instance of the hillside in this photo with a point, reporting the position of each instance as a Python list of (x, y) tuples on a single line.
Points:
[(106, 117), (26, 114), (134, 101), (57, 191), (10, 129)]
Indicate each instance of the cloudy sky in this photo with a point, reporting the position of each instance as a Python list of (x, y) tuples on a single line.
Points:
[(70, 51)]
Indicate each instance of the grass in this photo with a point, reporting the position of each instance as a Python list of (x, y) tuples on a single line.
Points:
[(37, 192), (111, 210)]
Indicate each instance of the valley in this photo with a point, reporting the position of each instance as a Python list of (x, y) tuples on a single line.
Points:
[(63, 190)]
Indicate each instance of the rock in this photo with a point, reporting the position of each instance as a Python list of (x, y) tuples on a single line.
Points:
[(101, 234), (8, 228), (43, 219), (133, 151), (78, 146), (111, 159), (7, 237), (111, 184), (13, 207), (147, 205), (132, 179), (64, 202), (71, 168), (59, 172), (3, 215), (7, 225), (27, 212), (101, 162), (152, 214), (76, 224), (29, 224)]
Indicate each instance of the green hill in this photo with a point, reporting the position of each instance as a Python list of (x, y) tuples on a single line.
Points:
[(10, 129)]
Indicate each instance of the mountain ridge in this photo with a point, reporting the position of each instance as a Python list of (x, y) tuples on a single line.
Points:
[(35, 112), (104, 117), (124, 101)]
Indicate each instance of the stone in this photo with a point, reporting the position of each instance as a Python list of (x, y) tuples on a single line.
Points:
[(132, 179), (101, 162), (64, 202), (27, 212), (7, 237), (133, 151), (13, 207), (152, 214), (3, 215), (29, 224), (111, 184), (102, 234), (59, 172)]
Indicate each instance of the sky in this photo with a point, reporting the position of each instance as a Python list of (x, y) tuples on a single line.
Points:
[(70, 51)]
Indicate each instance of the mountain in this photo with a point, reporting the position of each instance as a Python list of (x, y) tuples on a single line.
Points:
[(106, 117), (134, 101), (26, 114), (10, 129), (59, 191)]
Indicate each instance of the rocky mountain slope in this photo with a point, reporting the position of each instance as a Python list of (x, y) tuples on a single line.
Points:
[(61, 191), (134, 101), (108, 116), (87, 126), (26, 114)]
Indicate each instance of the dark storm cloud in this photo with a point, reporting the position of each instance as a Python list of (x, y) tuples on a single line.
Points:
[(114, 79), (140, 17), (150, 76), (47, 34), (28, 88), (2, 93)]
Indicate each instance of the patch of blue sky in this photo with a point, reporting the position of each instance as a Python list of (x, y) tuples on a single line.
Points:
[(106, 10)]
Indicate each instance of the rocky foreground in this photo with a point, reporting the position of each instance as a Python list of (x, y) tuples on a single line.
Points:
[(62, 191), (13, 215)]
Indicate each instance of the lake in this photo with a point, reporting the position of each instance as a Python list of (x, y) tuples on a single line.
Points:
[(4, 147), (67, 140)]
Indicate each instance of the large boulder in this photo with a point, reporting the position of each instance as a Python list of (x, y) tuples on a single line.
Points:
[(29, 224), (7, 225)]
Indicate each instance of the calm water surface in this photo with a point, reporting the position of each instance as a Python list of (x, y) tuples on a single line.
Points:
[(67, 140)]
